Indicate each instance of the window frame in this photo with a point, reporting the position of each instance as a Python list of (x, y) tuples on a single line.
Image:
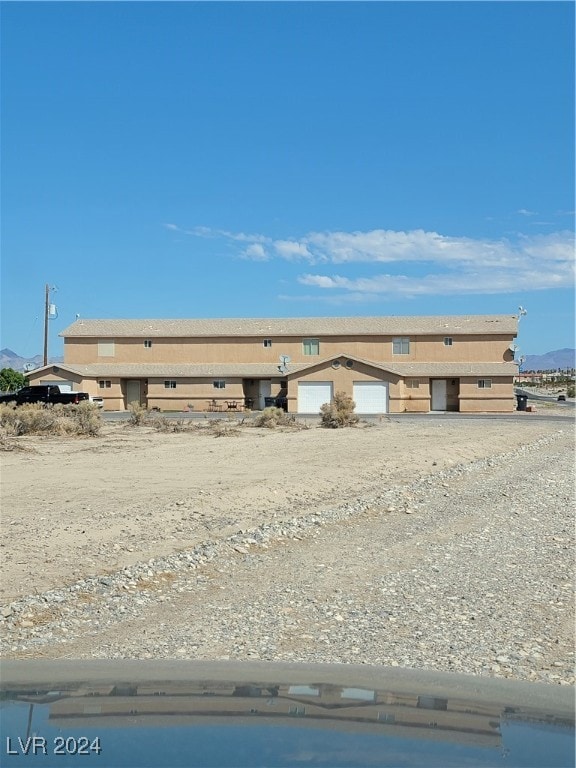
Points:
[(448, 341), (170, 384), (308, 347), (219, 384), (106, 348), (104, 384), (401, 345), (484, 383), (412, 383), (148, 343), (267, 343)]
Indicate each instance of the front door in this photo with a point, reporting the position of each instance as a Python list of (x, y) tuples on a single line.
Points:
[(439, 397), (264, 391), (132, 391)]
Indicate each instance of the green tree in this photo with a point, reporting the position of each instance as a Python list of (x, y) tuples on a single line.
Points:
[(11, 380)]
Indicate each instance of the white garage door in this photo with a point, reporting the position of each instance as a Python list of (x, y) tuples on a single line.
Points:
[(370, 396), (65, 386), (313, 394)]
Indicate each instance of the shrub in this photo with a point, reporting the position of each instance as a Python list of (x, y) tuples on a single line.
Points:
[(162, 424), (224, 427), (85, 417), (273, 417), (339, 413), (30, 419), (138, 414), (40, 419), (570, 390)]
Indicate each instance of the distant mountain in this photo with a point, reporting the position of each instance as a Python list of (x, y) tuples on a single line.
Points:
[(551, 361), (10, 359)]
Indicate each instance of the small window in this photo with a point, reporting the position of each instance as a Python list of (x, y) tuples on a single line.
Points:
[(401, 346), (413, 383), (104, 384), (219, 384), (311, 346), (349, 364), (147, 343), (448, 341), (484, 383), (267, 342), (169, 384), (336, 364), (105, 349)]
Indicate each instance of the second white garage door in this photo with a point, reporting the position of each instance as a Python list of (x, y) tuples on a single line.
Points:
[(370, 396), (313, 394)]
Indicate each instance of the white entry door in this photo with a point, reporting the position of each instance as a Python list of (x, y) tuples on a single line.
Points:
[(312, 395), (439, 399), (370, 396), (264, 391)]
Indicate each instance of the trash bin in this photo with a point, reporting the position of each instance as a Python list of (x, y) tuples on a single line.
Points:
[(522, 400)]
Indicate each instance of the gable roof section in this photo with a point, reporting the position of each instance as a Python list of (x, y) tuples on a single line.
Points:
[(428, 370), (265, 370), (296, 326), (169, 370)]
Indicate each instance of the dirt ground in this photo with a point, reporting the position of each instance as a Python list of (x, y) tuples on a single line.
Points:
[(74, 507)]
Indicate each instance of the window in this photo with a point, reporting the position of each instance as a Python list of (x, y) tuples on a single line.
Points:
[(400, 346), (219, 384), (169, 384), (311, 346), (267, 342), (448, 341), (147, 343), (105, 349), (484, 383), (104, 384), (413, 383)]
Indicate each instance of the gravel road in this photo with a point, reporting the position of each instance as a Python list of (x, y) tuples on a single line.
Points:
[(466, 570)]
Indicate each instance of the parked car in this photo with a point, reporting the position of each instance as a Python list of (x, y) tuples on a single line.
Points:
[(44, 393), (94, 399), (562, 398)]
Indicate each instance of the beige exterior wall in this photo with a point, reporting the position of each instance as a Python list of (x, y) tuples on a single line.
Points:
[(413, 399), (250, 350), (56, 378), (462, 393), (499, 398), (343, 379)]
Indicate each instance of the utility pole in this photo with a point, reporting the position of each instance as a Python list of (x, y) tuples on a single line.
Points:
[(50, 312), (46, 311)]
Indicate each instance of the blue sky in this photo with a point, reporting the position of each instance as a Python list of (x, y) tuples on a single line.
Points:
[(287, 159)]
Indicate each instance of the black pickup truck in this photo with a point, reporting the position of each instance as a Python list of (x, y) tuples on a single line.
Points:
[(43, 393)]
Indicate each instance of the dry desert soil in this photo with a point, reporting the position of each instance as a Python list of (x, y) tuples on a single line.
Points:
[(75, 508)]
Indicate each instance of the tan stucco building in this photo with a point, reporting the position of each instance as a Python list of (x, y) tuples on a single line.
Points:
[(387, 364)]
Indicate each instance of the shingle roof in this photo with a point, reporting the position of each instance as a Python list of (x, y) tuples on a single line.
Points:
[(252, 371), (172, 370), (296, 326), (433, 370)]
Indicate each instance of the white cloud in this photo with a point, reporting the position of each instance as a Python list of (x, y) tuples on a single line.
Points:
[(256, 252), (448, 265), (290, 249)]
